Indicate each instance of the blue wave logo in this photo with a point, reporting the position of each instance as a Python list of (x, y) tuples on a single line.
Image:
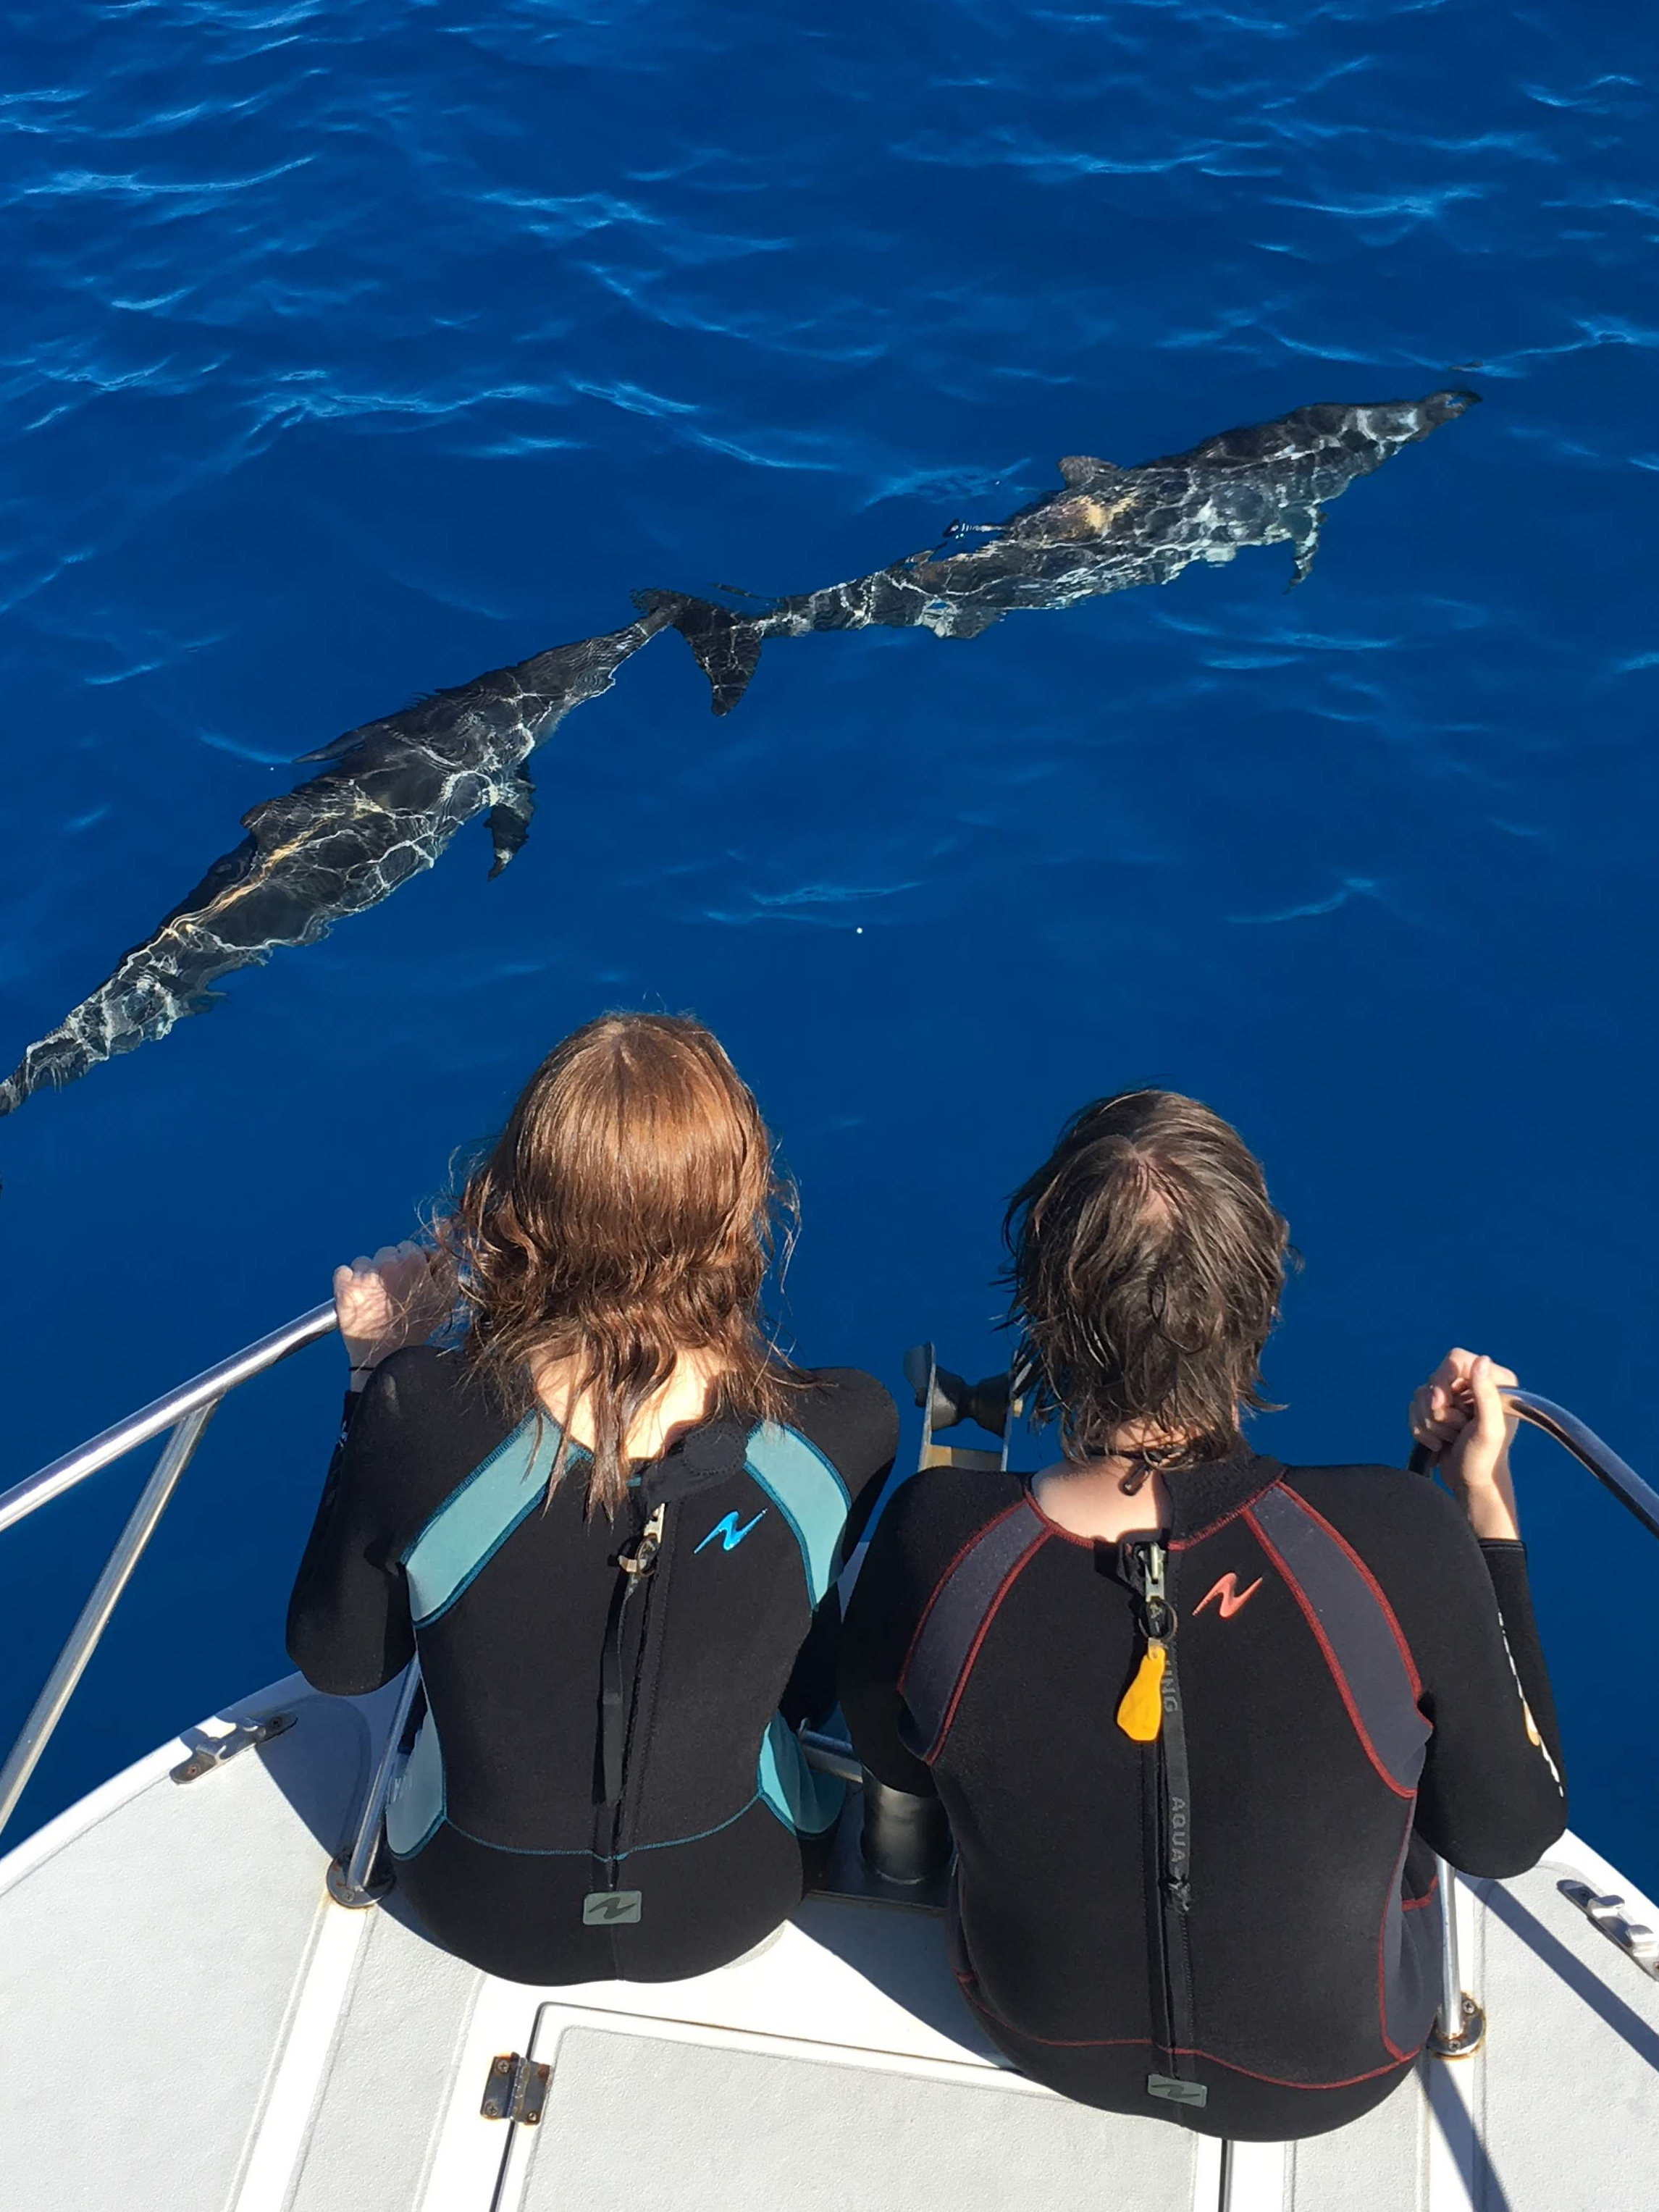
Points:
[(729, 1533)]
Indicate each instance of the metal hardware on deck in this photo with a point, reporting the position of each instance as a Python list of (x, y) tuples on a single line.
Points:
[(906, 1840), (1638, 1941), (1470, 2034), (351, 1878), (944, 1400), (217, 1749), (980, 1462), (516, 2090), (1459, 2026), (827, 1754)]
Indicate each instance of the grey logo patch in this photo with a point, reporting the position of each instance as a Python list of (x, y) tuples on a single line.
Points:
[(609, 1908), (1177, 2093)]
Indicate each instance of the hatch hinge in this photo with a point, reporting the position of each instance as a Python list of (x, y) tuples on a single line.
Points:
[(213, 1751), (516, 2090), (1610, 1914)]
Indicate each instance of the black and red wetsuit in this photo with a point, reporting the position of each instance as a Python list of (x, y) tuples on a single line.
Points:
[(607, 1781), (1235, 1925)]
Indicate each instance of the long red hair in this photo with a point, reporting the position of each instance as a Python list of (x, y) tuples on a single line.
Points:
[(625, 1219)]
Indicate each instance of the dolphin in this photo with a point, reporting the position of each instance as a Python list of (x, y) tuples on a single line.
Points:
[(395, 792), (1109, 528)]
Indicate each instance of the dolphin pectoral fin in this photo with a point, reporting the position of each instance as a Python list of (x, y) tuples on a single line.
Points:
[(509, 820), (971, 622), (1304, 524), (335, 748), (1076, 469)]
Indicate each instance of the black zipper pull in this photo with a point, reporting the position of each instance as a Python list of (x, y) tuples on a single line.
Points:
[(637, 1567), (644, 1556)]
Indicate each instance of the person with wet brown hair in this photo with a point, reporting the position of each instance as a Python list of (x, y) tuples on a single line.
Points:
[(1147, 1263), (606, 1520), (1200, 1721)]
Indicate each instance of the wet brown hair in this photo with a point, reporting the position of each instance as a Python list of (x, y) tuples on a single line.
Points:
[(1146, 1261), (625, 1217)]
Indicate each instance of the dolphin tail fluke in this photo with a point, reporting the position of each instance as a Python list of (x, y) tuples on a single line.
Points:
[(727, 646)]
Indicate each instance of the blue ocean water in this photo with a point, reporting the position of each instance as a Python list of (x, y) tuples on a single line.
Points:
[(354, 350)]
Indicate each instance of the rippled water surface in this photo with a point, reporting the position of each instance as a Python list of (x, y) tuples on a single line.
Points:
[(351, 350)]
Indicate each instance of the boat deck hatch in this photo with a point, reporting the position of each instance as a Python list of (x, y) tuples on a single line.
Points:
[(703, 2122)]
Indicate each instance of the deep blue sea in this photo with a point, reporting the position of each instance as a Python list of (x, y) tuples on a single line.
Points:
[(352, 350)]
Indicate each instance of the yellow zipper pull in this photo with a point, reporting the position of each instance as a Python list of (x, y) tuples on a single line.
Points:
[(1140, 1714)]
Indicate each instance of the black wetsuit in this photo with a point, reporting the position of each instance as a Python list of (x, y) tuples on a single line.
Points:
[(607, 1782), (1233, 1926)]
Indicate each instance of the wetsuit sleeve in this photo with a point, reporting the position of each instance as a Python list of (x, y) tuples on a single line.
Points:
[(1492, 1798), (809, 1698), (348, 1625), (855, 1424), (1506, 1565), (888, 1600)]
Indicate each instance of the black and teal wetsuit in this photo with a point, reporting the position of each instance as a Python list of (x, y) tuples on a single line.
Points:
[(607, 1781), (1233, 1925)]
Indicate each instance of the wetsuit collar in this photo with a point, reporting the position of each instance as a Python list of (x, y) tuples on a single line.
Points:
[(1202, 1497), (702, 1459)]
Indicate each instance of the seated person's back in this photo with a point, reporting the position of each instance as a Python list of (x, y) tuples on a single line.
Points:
[(1199, 1720), (606, 1521)]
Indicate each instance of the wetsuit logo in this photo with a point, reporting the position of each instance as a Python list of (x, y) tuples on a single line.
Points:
[(729, 1533), (1177, 2093), (610, 1908), (1231, 1598)]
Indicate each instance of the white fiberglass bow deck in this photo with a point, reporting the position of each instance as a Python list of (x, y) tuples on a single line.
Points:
[(210, 2002)]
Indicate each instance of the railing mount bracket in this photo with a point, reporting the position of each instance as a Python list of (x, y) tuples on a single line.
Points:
[(217, 1749)]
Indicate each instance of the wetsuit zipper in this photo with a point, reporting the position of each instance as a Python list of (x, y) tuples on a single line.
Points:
[(621, 1670), (1147, 1561)]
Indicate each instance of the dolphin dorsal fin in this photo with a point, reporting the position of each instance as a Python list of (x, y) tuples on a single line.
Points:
[(1076, 469)]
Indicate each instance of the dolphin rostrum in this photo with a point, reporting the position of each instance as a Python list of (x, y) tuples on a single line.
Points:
[(1108, 529), (394, 793)]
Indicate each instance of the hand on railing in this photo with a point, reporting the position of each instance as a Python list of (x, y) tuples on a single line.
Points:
[(399, 1298), (1460, 1415)]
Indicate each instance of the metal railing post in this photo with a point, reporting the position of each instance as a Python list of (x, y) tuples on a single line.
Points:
[(48, 1708), (352, 1876), (1460, 2024)]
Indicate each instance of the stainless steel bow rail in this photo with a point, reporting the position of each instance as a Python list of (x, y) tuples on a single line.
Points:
[(186, 1412), (1459, 2026)]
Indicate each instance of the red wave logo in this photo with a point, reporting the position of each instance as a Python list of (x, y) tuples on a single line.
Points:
[(1231, 1597)]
